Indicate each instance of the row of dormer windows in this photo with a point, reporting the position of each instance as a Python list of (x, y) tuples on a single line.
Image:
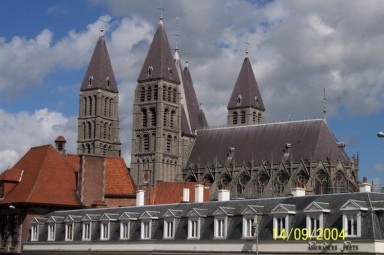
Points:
[(283, 216)]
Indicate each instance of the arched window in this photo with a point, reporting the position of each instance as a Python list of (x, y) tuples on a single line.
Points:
[(261, 182), (95, 110), (88, 148), (144, 117), (109, 131), (254, 117), (90, 105), (224, 181), (105, 106), (165, 93), (234, 120), (174, 95), (105, 130), (93, 129), (149, 93), (104, 150), (172, 119), (146, 142), (242, 183), (110, 108), (320, 182), (84, 130), (82, 148), (259, 118), (169, 94), (301, 179), (340, 182), (280, 183), (89, 131), (242, 117), (165, 119), (85, 106), (155, 92), (142, 94), (153, 117), (168, 144)]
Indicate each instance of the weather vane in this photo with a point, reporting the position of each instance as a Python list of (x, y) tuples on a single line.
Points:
[(102, 27), (246, 47)]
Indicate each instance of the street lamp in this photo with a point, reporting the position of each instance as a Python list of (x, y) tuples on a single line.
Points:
[(380, 134), (256, 233)]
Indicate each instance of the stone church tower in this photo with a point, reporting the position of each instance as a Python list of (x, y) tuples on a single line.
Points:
[(156, 131), (98, 121), (245, 106)]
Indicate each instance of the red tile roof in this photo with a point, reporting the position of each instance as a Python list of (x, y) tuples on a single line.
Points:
[(47, 179), (118, 181), (74, 161), (172, 192)]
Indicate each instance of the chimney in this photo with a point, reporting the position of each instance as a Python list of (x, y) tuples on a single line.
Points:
[(199, 193), (140, 197), (185, 195), (298, 192), (60, 144), (365, 186), (224, 195)]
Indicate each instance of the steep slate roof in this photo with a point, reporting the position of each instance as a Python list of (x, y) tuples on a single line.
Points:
[(246, 87), (100, 68), (372, 228), (47, 179), (160, 58), (310, 139)]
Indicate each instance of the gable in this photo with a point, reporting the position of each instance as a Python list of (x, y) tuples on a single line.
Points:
[(172, 213), (129, 216), (284, 209), (253, 209), (150, 215), (197, 212), (354, 205), (317, 207), (227, 211)]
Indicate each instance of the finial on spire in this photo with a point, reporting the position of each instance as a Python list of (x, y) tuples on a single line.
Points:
[(162, 10), (324, 107), (177, 34), (186, 58), (246, 48), (102, 27)]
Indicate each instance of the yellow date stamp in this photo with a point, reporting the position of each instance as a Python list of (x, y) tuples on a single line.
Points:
[(305, 234)]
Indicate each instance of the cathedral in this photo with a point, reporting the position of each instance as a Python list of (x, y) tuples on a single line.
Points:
[(171, 140)]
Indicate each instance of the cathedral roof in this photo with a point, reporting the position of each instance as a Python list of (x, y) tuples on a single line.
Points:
[(100, 74), (159, 63), (246, 92), (294, 141)]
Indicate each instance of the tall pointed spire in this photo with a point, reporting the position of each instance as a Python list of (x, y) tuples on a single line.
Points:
[(246, 104), (98, 121), (99, 74), (159, 63)]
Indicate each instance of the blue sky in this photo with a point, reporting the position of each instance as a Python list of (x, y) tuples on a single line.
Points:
[(297, 48)]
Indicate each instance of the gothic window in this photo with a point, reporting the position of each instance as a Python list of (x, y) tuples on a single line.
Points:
[(242, 183), (340, 182), (142, 94), (153, 117), (280, 183), (144, 117), (95, 108), (84, 130), (168, 144), (261, 182), (171, 122), (88, 148), (104, 150), (254, 117), (224, 181), (242, 117), (93, 129), (259, 118), (149, 93), (174, 95), (155, 92), (301, 179), (234, 120), (146, 142), (207, 179), (321, 182), (191, 178), (166, 111)]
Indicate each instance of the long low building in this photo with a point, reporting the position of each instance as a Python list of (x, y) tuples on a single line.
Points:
[(350, 223)]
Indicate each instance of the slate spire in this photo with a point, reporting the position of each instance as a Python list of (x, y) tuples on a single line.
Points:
[(99, 74), (159, 63)]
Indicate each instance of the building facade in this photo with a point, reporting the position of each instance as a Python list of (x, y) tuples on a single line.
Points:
[(349, 223)]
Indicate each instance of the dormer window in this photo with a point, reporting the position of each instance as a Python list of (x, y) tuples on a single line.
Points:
[(251, 220), (90, 81), (105, 230), (147, 219), (69, 232), (35, 233), (352, 211), (51, 232), (125, 224), (281, 220), (107, 81), (171, 218), (239, 99), (149, 71), (221, 221), (170, 71), (315, 217), (195, 218), (87, 227)]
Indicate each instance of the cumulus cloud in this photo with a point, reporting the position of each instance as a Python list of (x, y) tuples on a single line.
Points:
[(24, 130)]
